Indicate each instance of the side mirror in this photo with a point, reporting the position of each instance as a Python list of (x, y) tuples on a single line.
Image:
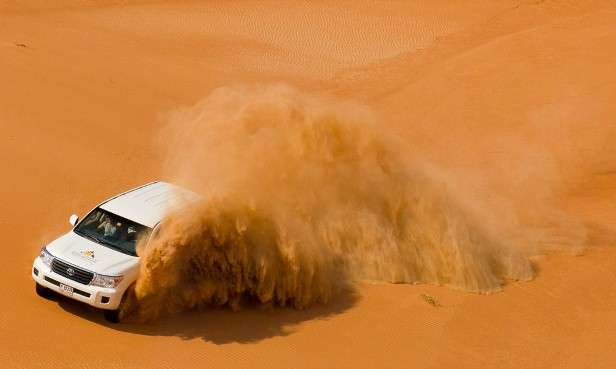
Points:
[(73, 219)]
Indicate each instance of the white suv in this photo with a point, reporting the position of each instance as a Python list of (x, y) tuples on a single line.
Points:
[(96, 261)]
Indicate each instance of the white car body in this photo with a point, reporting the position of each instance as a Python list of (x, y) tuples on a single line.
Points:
[(145, 205)]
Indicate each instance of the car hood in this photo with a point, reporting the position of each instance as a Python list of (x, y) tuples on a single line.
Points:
[(92, 256)]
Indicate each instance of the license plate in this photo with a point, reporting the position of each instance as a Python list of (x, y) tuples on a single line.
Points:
[(67, 290)]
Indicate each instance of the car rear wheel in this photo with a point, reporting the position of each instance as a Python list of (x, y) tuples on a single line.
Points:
[(42, 291)]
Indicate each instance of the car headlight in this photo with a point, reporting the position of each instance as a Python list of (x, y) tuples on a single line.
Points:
[(106, 281), (46, 257)]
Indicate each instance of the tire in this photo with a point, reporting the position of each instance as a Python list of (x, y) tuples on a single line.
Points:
[(123, 310), (42, 291), (112, 316)]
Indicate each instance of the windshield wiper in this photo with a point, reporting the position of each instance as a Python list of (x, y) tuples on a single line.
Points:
[(83, 234), (103, 241), (113, 246), (97, 239)]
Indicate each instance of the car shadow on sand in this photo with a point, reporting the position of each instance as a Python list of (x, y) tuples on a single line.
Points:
[(221, 325)]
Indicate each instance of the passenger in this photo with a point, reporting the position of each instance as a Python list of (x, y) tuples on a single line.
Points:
[(109, 228), (119, 234)]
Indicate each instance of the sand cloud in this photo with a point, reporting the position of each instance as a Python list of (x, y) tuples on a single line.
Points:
[(303, 197)]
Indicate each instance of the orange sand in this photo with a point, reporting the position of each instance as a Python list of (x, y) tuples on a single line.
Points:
[(513, 99)]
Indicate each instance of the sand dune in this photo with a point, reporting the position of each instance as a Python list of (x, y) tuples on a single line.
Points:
[(511, 102)]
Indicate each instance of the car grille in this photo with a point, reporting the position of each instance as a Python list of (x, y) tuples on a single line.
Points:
[(71, 272)]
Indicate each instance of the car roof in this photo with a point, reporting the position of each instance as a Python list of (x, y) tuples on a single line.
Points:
[(148, 204)]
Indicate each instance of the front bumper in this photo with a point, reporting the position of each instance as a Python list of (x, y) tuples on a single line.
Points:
[(91, 295)]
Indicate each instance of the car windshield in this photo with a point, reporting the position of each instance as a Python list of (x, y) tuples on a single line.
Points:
[(112, 230)]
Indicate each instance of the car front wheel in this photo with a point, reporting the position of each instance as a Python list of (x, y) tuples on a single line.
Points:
[(125, 308), (112, 316), (42, 291)]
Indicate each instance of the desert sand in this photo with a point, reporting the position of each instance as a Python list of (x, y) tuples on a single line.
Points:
[(513, 101)]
